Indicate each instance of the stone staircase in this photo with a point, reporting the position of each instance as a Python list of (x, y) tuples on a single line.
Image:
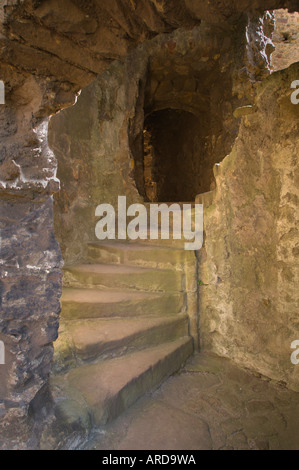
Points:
[(129, 321)]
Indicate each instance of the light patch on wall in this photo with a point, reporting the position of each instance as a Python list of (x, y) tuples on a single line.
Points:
[(285, 39)]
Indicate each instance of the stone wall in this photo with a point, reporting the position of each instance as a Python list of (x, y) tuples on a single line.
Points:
[(249, 264), (90, 142), (285, 39)]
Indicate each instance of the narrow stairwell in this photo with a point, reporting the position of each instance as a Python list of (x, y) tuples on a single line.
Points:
[(128, 321)]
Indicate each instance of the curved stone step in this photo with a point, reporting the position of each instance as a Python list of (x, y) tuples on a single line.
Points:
[(123, 277), (98, 393), (170, 239), (95, 303), (101, 338), (138, 254)]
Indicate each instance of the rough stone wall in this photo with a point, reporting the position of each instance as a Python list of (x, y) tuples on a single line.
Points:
[(30, 258), (285, 39), (249, 264), (90, 142)]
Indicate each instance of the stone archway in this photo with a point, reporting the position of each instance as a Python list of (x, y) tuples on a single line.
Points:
[(183, 123)]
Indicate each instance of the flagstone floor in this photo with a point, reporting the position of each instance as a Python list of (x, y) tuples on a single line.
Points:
[(209, 404)]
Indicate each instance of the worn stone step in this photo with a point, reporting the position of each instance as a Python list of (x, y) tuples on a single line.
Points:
[(96, 394), (95, 303), (173, 213), (84, 340), (175, 240), (138, 254), (123, 277)]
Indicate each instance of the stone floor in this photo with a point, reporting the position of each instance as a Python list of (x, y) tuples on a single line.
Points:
[(209, 404)]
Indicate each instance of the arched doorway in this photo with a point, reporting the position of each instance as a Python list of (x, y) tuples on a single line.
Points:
[(175, 169)]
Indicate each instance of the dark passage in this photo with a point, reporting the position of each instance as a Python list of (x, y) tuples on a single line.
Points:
[(174, 165)]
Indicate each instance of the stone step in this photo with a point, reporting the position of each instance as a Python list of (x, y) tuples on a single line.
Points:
[(175, 240), (207, 199), (181, 204), (101, 338), (174, 213), (94, 303), (123, 277), (139, 254), (168, 242), (93, 395)]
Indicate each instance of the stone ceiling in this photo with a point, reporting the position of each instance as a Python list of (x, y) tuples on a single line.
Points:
[(74, 40)]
